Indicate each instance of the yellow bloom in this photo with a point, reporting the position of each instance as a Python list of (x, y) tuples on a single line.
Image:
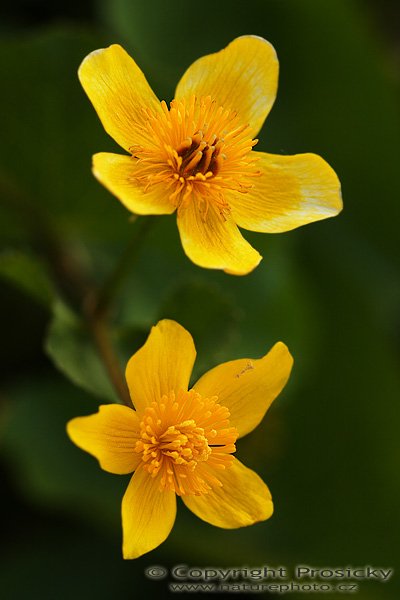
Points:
[(180, 442), (197, 156)]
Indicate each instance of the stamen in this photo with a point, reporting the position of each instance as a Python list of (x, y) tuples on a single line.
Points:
[(180, 435), (197, 148)]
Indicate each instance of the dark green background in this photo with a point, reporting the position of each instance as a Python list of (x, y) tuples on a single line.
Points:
[(329, 446)]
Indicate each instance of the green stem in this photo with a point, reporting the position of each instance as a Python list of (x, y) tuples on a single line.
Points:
[(98, 306), (113, 282)]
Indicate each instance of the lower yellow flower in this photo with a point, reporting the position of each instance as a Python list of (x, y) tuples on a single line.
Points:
[(196, 155), (181, 442)]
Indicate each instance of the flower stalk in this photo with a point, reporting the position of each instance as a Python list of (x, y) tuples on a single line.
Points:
[(100, 333), (123, 266), (72, 282)]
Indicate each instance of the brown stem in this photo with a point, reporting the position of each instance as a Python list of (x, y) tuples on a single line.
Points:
[(97, 308), (101, 336)]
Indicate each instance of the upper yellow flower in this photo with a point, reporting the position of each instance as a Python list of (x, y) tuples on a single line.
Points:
[(181, 442), (197, 156)]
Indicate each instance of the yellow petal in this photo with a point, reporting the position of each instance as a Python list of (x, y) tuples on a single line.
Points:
[(243, 499), (242, 77), (248, 387), (117, 173), (214, 242), (148, 514), (291, 191), (119, 93), (162, 365), (110, 435)]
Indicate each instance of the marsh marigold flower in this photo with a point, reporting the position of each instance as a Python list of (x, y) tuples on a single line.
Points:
[(196, 155), (181, 442)]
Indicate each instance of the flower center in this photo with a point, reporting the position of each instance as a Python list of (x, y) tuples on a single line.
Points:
[(184, 444), (197, 150), (186, 439)]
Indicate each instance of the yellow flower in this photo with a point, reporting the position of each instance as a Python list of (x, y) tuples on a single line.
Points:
[(180, 442), (197, 156)]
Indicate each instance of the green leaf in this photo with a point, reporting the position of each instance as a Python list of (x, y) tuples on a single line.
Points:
[(71, 348)]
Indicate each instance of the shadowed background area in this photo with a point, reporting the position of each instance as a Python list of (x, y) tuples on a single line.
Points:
[(328, 448)]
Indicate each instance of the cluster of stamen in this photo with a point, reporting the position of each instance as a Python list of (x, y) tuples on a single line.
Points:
[(186, 440), (197, 150)]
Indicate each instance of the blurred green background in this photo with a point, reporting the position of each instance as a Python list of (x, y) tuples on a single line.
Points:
[(328, 448)]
